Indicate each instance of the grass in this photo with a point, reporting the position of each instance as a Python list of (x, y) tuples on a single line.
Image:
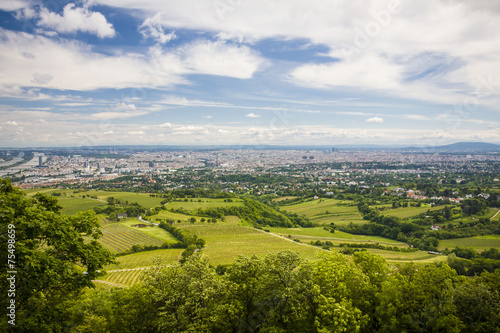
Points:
[(497, 217), (226, 240), (119, 238), (142, 199), (166, 215), (145, 259), (326, 211), (477, 242), (72, 206), (126, 278), (312, 234), (417, 256), (284, 198), (204, 204), (151, 230), (406, 212)]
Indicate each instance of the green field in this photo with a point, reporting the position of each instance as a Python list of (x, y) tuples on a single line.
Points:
[(284, 198), (119, 238), (477, 242), (142, 199), (226, 240), (72, 206), (166, 215), (406, 212), (318, 233), (497, 216), (204, 203), (417, 256), (326, 211), (145, 259), (126, 278), (151, 230)]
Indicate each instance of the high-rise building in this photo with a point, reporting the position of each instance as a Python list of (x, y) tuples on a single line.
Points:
[(40, 160)]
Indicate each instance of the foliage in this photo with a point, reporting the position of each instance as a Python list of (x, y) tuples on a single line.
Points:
[(51, 253)]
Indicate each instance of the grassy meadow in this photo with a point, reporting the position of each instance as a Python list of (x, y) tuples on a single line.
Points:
[(478, 242), (226, 240), (204, 203), (326, 211)]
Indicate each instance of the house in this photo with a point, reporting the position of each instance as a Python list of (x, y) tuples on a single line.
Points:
[(436, 227), (122, 216)]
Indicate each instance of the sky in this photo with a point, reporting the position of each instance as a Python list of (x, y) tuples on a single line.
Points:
[(241, 72)]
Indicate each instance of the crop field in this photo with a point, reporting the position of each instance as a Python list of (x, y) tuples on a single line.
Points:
[(145, 259), (320, 206), (406, 212), (150, 229), (127, 277), (284, 198), (477, 242), (326, 211), (417, 256), (72, 206), (119, 238), (166, 215), (496, 215), (204, 203), (307, 235), (142, 199), (226, 240)]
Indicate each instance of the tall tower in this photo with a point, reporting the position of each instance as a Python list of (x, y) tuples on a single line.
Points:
[(40, 160)]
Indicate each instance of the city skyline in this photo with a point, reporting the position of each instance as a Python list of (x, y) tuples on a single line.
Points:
[(235, 72)]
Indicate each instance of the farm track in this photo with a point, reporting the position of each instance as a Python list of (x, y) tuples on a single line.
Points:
[(287, 239)]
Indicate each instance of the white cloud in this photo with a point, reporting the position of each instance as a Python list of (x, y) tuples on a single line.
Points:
[(13, 5), (219, 58), (375, 120), (167, 125), (252, 115), (465, 31), (73, 65), (415, 117), (207, 117), (11, 123), (63, 64), (75, 19), (183, 101), (151, 28), (119, 111)]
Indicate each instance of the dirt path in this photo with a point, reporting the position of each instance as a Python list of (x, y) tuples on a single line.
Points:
[(493, 217), (287, 239)]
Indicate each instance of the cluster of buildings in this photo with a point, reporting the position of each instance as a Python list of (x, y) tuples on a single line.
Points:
[(324, 168)]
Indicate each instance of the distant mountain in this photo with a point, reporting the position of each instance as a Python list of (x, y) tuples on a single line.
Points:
[(461, 147)]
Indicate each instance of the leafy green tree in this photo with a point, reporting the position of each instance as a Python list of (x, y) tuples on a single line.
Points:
[(188, 297), (56, 257), (420, 299), (478, 303)]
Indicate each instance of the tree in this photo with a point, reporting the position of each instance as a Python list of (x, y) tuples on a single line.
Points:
[(447, 213), (56, 256), (110, 201), (478, 303), (420, 299), (188, 297)]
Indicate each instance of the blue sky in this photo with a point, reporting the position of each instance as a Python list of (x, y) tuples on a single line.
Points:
[(110, 72)]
